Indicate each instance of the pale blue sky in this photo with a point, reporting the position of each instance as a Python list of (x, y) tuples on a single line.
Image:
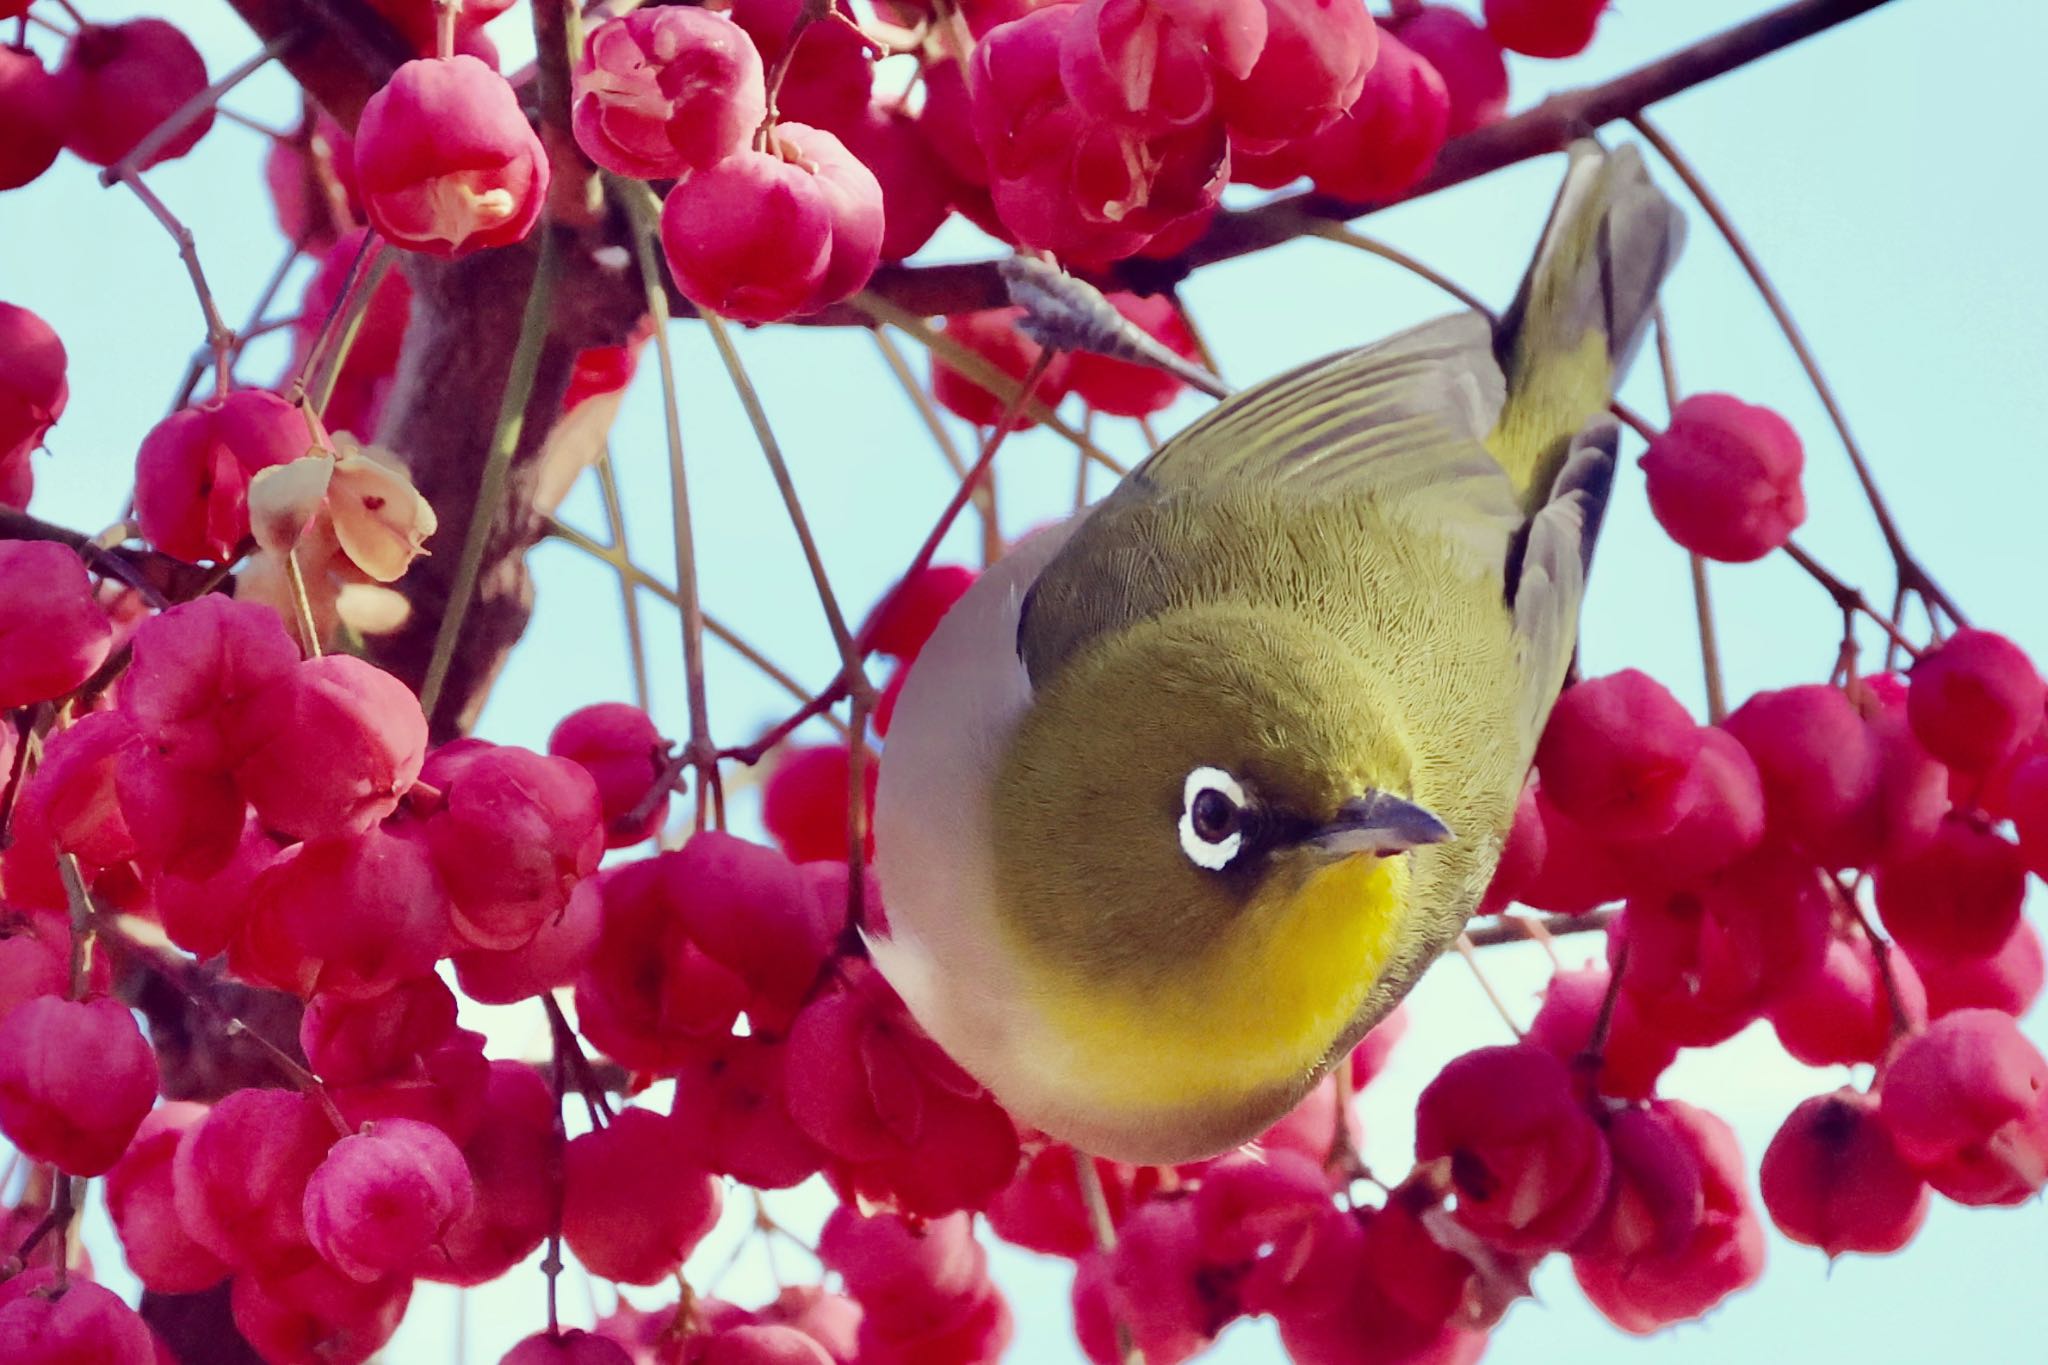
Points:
[(1881, 172)]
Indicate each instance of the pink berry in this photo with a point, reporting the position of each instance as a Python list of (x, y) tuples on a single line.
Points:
[(122, 80), (1975, 700), (513, 835), (34, 108), (1155, 1286), (650, 997), (192, 474), (1657, 1202), (1725, 822), (1390, 136), (2026, 801), (1041, 1209), (553, 958), (1632, 1055), (1578, 871), (917, 188), (629, 1213), (1819, 764), (624, 754), (1840, 1013), (568, 1348), (1620, 756), (1529, 1166), (86, 1324), (749, 239), (1150, 67), (239, 1175), (1466, 55), (663, 92), (1958, 896), (1723, 478), (352, 916), (1644, 1291), (1832, 1179), (328, 748), (1521, 857), (763, 1345), (1705, 960), (2008, 980), (383, 1197), (204, 913), (306, 1310), (514, 1160), (909, 1276), (804, 802), (992, 335), (446, 161), (732, 1111), (53, 634), (912, 610), (830, 76), (853, 202), (831, 1320), (1310, 1127), (749, 908), (1246, 1205), (35, 956), (142, 1201), (348, 1042), (1967, 1104), (1122, 388), (1069, 180), (1544, 28), (71, 799), (76, 1079), (193, 668), (1309, 72), (442, 1085), (187, 822), (1424, 1280), (33, 390)]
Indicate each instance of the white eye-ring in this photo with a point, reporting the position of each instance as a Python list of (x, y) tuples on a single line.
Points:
[(1211, 818)]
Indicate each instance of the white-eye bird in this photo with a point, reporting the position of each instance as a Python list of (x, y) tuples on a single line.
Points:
[(1185, 793)]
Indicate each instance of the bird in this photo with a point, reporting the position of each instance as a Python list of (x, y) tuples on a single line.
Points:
[(1187, 791)]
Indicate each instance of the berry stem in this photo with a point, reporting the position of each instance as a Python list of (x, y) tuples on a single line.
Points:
[(1467, 951), (629, 597), (561, 530), (1901, 1022), (302, 605), (255, 327), (1333, 231), (27, 740), (700, 750), (1910, 573), (567, 1045), (80, 901), (1847, 598), (928, 412), (534, 325), (219, 339), (1594, 1057), (179, 119), (338, 329), (1103, 1229), (879, 308)]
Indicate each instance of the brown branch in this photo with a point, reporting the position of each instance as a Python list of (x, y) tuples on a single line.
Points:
[(344, 54)]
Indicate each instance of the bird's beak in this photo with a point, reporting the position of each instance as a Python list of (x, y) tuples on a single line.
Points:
[(1380, 824)]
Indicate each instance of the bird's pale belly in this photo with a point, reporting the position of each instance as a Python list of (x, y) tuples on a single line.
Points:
[(1258, 1017)]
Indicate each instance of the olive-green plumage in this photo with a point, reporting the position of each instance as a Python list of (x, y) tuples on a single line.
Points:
[(1354, 585)]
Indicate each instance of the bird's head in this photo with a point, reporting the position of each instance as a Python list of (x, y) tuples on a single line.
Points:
[(1200, 803)]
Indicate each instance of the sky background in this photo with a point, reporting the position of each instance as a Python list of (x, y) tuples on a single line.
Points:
[(1881, 171)]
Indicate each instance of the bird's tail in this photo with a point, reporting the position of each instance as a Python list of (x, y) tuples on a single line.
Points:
[(1582, 310)]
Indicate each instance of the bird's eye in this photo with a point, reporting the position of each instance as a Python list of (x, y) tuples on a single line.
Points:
[(1211, 818)]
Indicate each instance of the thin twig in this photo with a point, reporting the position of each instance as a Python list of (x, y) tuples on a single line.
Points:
[(1337, 232), (1516, 928), (344, 323), (700, 749), (1910, 573), (629, 596), (218, 338), (1849, 599), (1703, 604), (519, 377), (302, 605), (1467, 951), (1103, 1230), (587, 1083)]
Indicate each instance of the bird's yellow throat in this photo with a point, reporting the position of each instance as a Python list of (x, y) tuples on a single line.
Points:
[(1256, 1010)]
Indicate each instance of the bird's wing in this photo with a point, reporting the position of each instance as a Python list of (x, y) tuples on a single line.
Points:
[(1547, 580), (1401, 423)]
